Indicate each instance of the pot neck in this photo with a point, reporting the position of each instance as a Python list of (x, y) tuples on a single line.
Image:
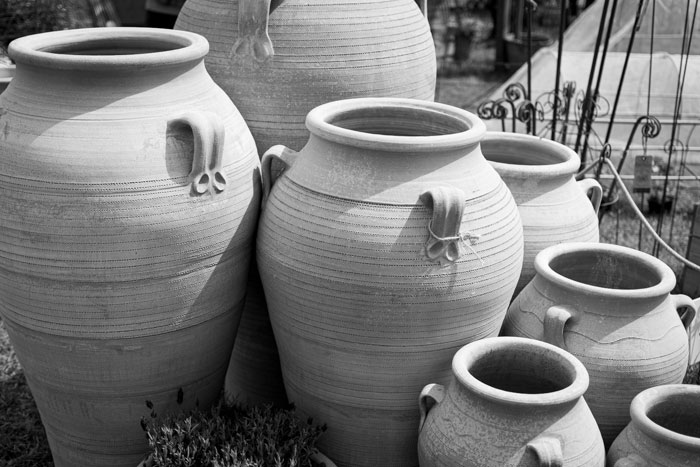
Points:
[(657, 411), (606, 271), (520, 372), (388, 150), (77, 71)]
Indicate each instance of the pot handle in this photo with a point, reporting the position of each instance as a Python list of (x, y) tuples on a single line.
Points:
[(632, 460), (593, 189), (253, 38), (279, 153), (431, 395), (686, 307), (208, 132), (555, 319), (444, 243), (548, 450)]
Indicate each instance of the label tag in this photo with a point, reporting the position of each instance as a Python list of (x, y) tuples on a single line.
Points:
[(642, 174)]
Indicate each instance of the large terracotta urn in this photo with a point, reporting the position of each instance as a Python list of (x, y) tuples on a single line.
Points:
[(387, 244), (612, 307), (512, 401), (663, 430), (279, 59), (554, 206), (130, 194)]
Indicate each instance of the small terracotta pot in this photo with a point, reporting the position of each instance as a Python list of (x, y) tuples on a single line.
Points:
[(612, 307), (554, 206), (664, 430), (511, 401)]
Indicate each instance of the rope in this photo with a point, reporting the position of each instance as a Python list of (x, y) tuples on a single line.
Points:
[(463, 237), (643, 219)]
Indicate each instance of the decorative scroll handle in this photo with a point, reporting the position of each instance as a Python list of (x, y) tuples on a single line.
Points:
[(431, 395), (253, 38), (555, 319), (592, 188), (548, 450), (208, 132), (633, 460), (445, 240), (279, 153)]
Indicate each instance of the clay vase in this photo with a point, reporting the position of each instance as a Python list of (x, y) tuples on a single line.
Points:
[(511, 402), (279, 59), (554, 206), (387, 244), (663, 431), (130, 191), (612, 308)]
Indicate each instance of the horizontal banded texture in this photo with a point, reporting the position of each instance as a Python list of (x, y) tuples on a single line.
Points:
[(324, 51), (626, 345), (118, 282), (363, 320)]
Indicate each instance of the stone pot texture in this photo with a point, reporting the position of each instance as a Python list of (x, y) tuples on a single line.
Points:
[(279, 59), (512, 401), (663, 431), (387, 244), (554, 206), (130, 193), (612, 307)]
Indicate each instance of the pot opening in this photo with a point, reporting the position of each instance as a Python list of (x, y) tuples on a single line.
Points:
[(524, 370), (521, 152), (678, 413), (113, 46), (399, 121), (605, 269)]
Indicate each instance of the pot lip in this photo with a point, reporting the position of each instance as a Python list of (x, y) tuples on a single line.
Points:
[(37, 49), (651, 397), (545, 257), (528, 143), (468, 354), (318, 122)]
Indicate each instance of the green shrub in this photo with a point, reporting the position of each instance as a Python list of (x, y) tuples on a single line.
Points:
[(232, 435)]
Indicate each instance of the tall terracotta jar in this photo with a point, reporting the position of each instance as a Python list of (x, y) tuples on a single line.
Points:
[(387, 245), (663, 431), (511, 402), (130, 193), (553, 205), (612, 307), (279, 59)]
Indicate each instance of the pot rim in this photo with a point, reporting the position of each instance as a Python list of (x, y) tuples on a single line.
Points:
[(544, 258), (568, 165), (319, 122), (473, 351), (172, 48), (650, 398)]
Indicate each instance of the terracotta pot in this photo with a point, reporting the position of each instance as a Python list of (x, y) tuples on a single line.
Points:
[(611, 307), (6, 74), (130, 193), (663, 431), (512, 401), (279, 59), (553, 206), (388, 244)]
